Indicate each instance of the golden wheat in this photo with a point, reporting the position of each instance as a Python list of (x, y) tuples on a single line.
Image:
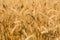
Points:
[(29, 19)]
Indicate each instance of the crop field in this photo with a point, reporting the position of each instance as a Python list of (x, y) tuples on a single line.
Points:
[(29, 19)]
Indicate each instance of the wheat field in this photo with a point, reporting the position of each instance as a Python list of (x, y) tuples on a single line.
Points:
[(29, 19)]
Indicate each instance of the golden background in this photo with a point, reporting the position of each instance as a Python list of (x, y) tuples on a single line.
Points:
[(29, 19)]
